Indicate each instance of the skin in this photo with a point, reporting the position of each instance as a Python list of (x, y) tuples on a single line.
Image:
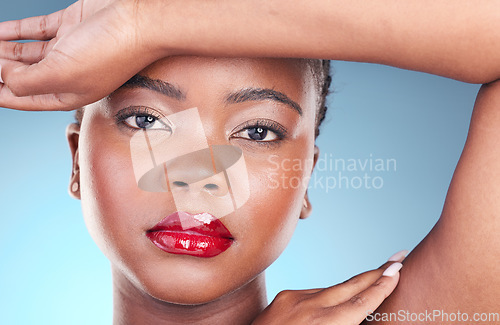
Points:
[(58, 72), (440, 37), (118, 220), (164, 288)]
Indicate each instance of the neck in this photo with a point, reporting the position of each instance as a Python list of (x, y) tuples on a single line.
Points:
[(133, 306)]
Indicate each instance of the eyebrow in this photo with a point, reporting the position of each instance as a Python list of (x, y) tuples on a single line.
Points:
[(240, 96), (157, 85), (259, 94)]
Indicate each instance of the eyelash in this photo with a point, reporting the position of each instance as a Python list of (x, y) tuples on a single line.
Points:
[(131, 111), (266, 124)]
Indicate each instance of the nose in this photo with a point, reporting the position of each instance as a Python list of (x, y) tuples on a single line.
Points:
[(214, 179), (196, 172), (203, 170)]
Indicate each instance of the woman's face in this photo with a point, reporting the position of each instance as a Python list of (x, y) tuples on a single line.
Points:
[(264, 109)]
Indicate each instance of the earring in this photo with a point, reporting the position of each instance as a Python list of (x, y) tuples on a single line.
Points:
[(305, 203), (74, 187)]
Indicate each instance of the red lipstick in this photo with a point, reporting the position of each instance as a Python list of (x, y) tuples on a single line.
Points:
[(201, 235)]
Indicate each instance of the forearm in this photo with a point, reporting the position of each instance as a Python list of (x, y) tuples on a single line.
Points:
[(459, 39)]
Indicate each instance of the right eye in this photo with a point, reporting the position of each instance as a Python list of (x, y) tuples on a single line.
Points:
[(146, 122), (258, 133), (142, 118)]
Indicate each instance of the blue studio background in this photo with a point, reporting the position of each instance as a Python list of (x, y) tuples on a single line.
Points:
[(416, 124)]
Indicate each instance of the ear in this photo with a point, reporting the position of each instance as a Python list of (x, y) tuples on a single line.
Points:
[(306, 205), (73, 135)]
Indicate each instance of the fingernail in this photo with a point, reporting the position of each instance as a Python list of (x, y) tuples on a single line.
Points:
[(1, 80), (399, 256), (393, 269)]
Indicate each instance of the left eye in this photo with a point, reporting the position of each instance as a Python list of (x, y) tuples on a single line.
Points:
[(145, 122), (257, 134)]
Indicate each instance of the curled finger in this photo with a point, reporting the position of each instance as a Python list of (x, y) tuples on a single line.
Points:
[(359, 306), (47, 102), (40, 28), (48, 76), (24, 52), (344, 291)]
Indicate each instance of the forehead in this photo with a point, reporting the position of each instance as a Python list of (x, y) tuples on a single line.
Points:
[(208, 77), (220, 67)]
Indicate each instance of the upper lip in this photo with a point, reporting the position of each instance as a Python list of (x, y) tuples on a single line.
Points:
[(203, 224)]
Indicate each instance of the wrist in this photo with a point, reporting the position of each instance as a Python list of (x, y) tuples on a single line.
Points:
[(142, 27), (157, 27), (193, 27)]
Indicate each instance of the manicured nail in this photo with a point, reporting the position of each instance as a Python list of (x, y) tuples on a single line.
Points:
[(399, 256), (1, 80), (393, 269)]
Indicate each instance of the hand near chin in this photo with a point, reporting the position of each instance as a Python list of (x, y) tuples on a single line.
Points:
[(81, 54), (347, 303)]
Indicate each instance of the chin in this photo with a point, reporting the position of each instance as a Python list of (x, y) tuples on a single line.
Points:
[(187, 295), (187, 288), (185, 299)]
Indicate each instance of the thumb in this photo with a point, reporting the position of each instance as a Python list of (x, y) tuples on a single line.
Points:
[(31, 88), (24, 79)]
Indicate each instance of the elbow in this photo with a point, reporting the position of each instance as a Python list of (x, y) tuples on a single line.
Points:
[(482, 73)]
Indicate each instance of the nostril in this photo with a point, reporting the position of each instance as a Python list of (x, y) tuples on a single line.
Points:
[(211, 186), (180, 184)]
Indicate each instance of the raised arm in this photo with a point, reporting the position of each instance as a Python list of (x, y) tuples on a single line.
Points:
[(456, 269), (458, 39), (112, 40)]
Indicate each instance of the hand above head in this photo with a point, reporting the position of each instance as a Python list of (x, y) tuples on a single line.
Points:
[(349, 302), (81, 54), (88, 50)]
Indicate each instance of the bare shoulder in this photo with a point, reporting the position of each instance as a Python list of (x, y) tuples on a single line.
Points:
[(455, 269)]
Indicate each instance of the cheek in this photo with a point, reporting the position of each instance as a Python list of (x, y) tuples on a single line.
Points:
[(116, 211), (105, 183), (278, 187)]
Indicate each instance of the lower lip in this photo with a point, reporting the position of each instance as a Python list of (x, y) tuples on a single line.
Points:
[(186, 243)]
